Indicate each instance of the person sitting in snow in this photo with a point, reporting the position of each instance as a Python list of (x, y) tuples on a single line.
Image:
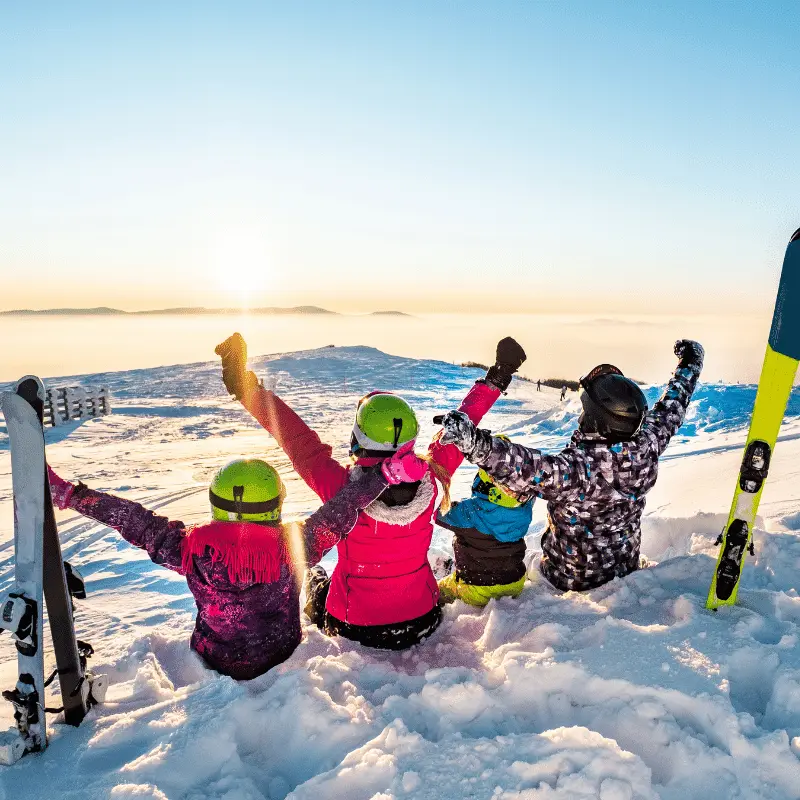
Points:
[(595, 488), (382, 592), (488, 544), (242, 566)]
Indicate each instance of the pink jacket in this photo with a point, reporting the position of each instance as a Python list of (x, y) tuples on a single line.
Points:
[(383, 575)]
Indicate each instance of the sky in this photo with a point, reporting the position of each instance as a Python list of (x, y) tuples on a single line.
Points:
[(503, 157)]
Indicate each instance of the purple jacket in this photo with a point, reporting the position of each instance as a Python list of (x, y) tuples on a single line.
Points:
[(243, 627)]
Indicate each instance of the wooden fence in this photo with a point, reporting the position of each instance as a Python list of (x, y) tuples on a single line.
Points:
[(64, 404)]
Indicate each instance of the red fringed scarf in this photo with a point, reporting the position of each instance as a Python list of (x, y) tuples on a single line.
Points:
[(251, 553)]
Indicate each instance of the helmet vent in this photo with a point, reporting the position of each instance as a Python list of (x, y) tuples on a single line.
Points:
[(238, 499), (398, 429)]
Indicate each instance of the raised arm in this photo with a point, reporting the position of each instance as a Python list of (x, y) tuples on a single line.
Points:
[(309, 456), (160, 537), (665, 417), (480, 398), (522, 471)]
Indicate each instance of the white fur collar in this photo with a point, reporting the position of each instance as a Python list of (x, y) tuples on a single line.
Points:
[(399, 515)]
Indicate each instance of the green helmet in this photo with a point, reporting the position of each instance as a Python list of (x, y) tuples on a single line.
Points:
[(384, 421), (246, 489), (483, 484)]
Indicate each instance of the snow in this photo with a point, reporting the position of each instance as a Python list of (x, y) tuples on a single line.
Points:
[(633, 690)]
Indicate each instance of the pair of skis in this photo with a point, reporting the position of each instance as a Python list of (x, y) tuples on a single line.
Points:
[(40, 574), (774, 387)]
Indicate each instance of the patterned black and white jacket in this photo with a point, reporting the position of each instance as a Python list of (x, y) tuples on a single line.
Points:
[(595, 491)]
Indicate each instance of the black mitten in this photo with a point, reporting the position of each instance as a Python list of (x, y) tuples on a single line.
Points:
[(509, 358), (236, 378), (689, 353)]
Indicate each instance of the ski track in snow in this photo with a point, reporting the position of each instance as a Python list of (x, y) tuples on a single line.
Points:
[(633, 690)]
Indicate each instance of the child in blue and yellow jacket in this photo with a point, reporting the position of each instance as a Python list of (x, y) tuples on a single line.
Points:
[(488, 544)]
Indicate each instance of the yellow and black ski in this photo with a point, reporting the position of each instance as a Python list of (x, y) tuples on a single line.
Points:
[(774, 388)]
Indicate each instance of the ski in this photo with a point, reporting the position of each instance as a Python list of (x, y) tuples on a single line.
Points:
[(22, 608), (40, 575), (774, 387), (79, 689)]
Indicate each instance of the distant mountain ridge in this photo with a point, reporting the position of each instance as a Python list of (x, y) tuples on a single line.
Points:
[(390, 314), (103, 310)]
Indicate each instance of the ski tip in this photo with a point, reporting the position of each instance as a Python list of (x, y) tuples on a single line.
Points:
[(795, 236), (30, 387)]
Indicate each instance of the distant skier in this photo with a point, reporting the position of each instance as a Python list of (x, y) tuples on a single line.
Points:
[(382, 592), (596, 486), (240, 566), (538, 386), (563, 393), (488, 544)]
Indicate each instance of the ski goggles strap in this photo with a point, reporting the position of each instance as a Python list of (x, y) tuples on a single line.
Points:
[(481, 486), (239, 506), (597, 372)]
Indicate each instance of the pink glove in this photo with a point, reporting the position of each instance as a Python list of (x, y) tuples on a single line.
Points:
[(405, 466), (60, 490)]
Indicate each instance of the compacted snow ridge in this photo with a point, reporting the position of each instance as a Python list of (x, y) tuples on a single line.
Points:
[(633, 690)]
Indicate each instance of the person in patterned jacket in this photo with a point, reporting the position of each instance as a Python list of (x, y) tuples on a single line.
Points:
[(244, 566), (595, 488)]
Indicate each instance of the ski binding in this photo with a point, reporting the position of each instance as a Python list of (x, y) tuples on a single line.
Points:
[(730, 563), (755, 466), (28, 716)]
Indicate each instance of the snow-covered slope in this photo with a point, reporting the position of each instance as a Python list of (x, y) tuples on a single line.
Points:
[(630, 691)]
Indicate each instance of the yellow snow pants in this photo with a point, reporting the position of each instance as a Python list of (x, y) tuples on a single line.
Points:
[(450, 589)]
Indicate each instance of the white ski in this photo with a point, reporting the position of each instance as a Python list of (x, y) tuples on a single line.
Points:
[(22, 609)]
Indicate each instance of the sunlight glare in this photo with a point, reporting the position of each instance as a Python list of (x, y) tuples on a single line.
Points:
[(241, 267)]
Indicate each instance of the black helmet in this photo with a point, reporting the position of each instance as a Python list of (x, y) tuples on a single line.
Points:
[(613, 405)]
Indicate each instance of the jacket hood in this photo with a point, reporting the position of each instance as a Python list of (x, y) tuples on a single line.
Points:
[(399, 515), (251, 553), (504, 524)]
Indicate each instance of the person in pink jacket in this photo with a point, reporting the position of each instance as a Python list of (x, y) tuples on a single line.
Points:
[(382, 592)]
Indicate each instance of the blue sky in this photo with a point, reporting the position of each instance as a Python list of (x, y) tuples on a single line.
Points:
[(450, 156)]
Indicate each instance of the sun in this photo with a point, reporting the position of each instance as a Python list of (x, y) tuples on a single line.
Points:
[(242, 266)]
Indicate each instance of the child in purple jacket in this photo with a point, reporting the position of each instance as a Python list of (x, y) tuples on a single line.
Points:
[(244, 568)]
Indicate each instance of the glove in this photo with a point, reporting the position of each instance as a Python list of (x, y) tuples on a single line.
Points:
[(238, 381), (458, 429), (405, 466), (60, 490), (690, 354), (508, 359)]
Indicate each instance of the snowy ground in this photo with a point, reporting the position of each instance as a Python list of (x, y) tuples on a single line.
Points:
[(630, 691)]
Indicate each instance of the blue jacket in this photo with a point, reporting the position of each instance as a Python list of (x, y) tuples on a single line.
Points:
[(504, 524), (489, 540)]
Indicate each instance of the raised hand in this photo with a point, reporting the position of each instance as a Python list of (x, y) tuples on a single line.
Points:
[(405, 466), (235, 376), (233, 349), (458, 429), (689, 352), (509, 358)]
